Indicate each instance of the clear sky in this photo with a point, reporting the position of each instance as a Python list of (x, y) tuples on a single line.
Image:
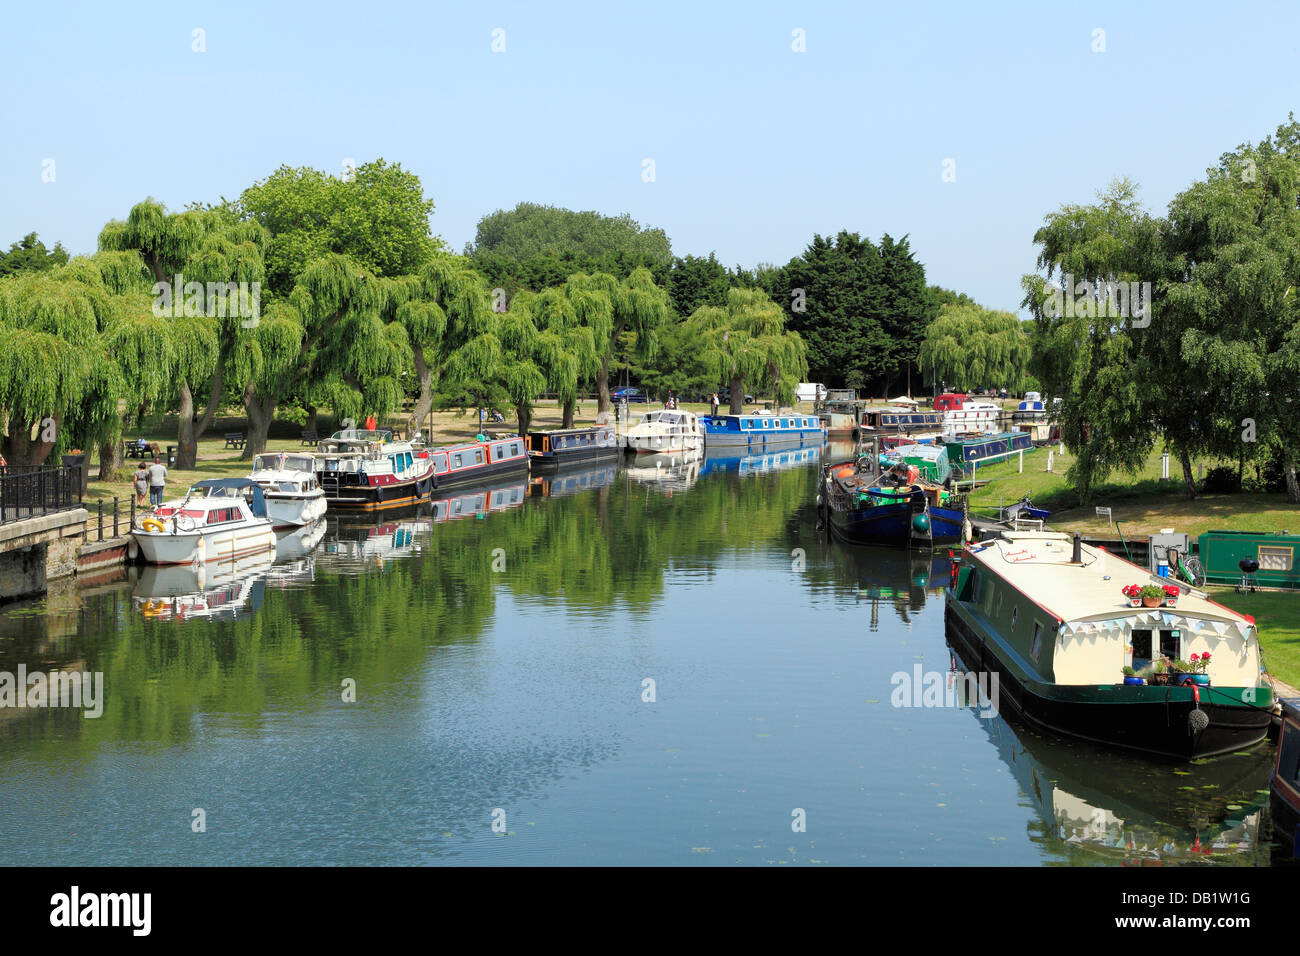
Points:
[(756, 147)]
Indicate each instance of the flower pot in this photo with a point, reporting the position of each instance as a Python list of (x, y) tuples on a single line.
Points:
[(1151, 602), (1159, 680), (1134, 681), (1202, 680), (1134, 602)]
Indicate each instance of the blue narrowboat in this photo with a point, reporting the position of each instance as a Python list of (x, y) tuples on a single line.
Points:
[(984, 449), (1285, 782), (891, 420), (860, 509), (757, 431)]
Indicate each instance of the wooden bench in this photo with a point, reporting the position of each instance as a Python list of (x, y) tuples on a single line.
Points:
[(234, 440), (310, 438)]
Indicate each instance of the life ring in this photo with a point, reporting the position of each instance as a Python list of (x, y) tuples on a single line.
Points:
[(152, 524)]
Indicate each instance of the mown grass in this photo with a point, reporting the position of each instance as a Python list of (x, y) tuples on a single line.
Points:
[(1277, 615)]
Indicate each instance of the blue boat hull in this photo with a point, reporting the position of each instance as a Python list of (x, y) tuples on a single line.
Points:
[(892, 525)]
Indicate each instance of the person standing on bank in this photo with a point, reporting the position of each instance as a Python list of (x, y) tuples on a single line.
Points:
[(141, 481), (157, 482), (715, 403)]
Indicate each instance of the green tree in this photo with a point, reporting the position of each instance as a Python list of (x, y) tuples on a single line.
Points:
[(971, 345), (30, 255), (862, 309), (745, 342), (378, 216)]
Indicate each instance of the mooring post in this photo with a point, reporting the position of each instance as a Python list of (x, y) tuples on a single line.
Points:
[(115, 516), (99, 508)]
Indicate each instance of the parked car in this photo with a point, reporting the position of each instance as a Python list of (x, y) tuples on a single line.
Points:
[(626, 394), (724, 396)]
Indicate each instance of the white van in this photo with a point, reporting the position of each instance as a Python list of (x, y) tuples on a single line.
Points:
[(810, 392)]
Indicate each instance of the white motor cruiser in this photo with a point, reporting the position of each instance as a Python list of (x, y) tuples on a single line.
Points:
[(294, 498), (218, 519), (666, 432)]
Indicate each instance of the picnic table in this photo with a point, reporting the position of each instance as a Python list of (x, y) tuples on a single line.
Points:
[(235, 440), (310, 438)]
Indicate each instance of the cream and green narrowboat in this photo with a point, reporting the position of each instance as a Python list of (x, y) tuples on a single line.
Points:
[(1048, 615)]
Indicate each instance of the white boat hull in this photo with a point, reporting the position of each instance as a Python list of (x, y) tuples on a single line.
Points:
[(294, 511), (216, 545)]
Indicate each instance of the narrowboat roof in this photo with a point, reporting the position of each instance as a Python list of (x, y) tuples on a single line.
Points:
[(571, 431), (981, 439), (1290, 708), (1037, 563)]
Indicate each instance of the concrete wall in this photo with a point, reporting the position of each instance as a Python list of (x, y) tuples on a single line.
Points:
[(38, 550)]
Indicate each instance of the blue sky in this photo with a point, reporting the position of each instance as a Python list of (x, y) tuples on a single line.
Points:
[(756, 147)]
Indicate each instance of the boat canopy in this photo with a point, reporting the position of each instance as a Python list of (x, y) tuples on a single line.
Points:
[(243, 488)]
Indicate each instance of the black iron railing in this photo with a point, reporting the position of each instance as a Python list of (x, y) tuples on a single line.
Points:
[(27, 491)]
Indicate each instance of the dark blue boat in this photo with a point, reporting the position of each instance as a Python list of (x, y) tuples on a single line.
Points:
[(861, 510)]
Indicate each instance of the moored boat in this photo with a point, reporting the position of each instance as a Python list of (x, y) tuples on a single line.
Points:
[(551, 449), (366, 470), (667, 432), (898, 508), (293, 496), (761, 430), (972, 417), (968, 452), (898, 419), (218, 519), (1285, 782), (1047, 615)]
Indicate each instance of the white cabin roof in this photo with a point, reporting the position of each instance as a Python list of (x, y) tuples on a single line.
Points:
[(1037, 563)]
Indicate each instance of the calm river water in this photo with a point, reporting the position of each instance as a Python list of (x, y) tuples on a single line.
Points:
[(640, 665)]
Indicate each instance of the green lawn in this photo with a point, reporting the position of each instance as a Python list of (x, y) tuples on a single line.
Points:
[(1277, 613)]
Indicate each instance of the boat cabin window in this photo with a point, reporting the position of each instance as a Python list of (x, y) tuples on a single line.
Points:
[(767, 423), (1170, 645), (455, 460), (478, 457), (1288, 755), (1274, 558)]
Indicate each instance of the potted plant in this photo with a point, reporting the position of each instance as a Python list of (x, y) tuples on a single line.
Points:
[(1171, 595), (1131, 676), (1199, 663), (1180, 671), (1159, 674), (1134, 594), (1153, 595)]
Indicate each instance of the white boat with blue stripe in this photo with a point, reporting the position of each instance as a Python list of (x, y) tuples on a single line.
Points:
[(761, 430)]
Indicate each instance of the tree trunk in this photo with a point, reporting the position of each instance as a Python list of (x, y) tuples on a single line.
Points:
[(1292, 484), (311, 419), (21, 449), (737, 395), (188, 430), (424, 402), (1189, 480), (603, 404), (110, 460), (568, 414), (525, 416), (261, 412)]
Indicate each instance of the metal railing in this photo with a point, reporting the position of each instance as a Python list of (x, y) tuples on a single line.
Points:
[(29, 491)]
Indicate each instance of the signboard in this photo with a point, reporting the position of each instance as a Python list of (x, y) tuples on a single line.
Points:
[(1103, 513)]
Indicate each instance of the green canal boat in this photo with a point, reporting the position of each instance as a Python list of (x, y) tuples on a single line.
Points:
[(1048, 615), (1272, 555)]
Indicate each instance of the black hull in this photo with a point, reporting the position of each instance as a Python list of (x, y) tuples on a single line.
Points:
[(1286, 823), (367, 498), (1159, 728), (554, 460)]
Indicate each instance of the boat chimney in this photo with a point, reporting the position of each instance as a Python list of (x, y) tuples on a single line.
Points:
[(1077, 556)]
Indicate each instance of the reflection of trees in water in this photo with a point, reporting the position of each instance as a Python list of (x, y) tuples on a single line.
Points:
[(595, 551)]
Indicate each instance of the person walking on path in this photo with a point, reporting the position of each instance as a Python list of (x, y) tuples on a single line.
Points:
[(157, 482), (141, 482)]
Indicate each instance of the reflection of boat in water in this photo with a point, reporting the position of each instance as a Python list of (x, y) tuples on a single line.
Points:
[(1099, 806), (887, 577), (572, 480), (761, 463), (667, 472), (295, 553), (479, 502), (392, 538), (215, 590)]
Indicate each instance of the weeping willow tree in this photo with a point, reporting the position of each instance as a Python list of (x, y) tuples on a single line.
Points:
[(746, 342), (202, 249), (976, 346), (519, 361), (58, 380), (571, 321), (611, 308), (442, 308)]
